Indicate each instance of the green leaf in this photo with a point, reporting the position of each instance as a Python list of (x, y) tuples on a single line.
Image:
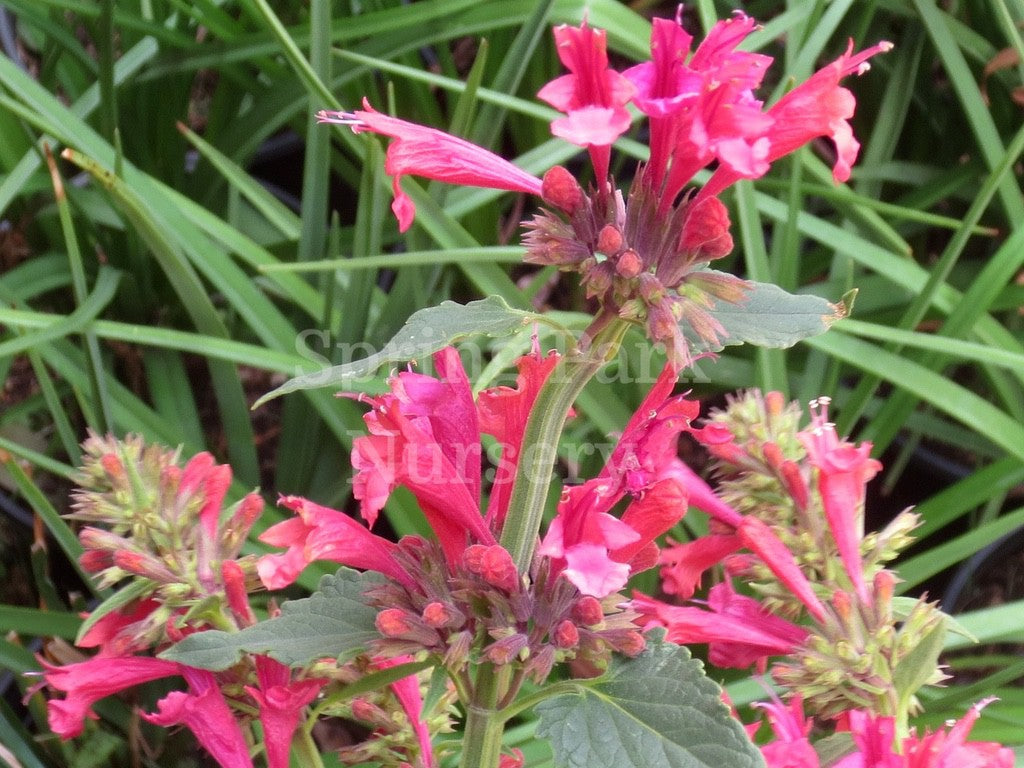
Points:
[(918, 667), (771, 317), (332, 622), (834, 748), (424, 333), (657, 710)]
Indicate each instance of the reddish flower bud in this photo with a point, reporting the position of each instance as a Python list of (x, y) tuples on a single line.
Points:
[(393, 622), (629, 643), (842, 606), (560, 189), (772, 454), (795, 484), (588, 611), (95, 560), (609, 240), (438, 615), (774, 403), (233, 578), (885, 584), (706, 230), (97, 538), (629, 264), (368, 712), (112, 465), (566, 635), (143, 564), (494, 564), (508, 649)]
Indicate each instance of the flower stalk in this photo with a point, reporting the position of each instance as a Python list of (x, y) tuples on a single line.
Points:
[(482, 737), (544, 427)]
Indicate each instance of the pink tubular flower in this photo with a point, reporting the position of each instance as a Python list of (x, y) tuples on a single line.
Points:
[(116, 633), (876, 748), (738, 631), (204, 711), (816, 107), (407, 691), (791, 748), (87, 682), (759, 538), (593, 96), (843, 473), (425, 435), (596, 551), (281, 701), (701, 110), (684, 564), (433, 154), (320, 533)]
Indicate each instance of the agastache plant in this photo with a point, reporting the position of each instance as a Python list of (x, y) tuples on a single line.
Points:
[(500, 614)]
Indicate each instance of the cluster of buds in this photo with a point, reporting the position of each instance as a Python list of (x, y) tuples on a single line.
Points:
[(399, 718), (165, 526), (169, 541), (484, 611), (640, 261), (824, 598)]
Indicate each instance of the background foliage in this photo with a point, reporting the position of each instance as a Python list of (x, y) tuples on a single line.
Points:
[(161, 278)]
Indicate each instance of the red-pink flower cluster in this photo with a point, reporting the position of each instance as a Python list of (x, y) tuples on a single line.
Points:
[(876, 745), (425, 435), (701, 108)]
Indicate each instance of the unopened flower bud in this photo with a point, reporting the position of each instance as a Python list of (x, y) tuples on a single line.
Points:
[(366, 711), (588, 611), (795, 484), (238, 527), (393, 622), (705, 233), (774, 403), (842, 606), (439, 615), (651, 289), (560, 189), (629, 264), (566, 635), (885, 584), (143, 564), (609, 240), (96, 560), (539, 665), (772, 454), (233, 578), (515, 646), (597, 277), (459, 646), (630, 643), (494, 564), (97, 538), (114, 469)]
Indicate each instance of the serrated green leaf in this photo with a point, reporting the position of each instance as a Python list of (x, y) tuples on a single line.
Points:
[(658, 710), (425, 332), (332, 622), (772, 317)]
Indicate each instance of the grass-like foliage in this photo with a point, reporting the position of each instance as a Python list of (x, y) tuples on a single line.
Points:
[(178, 237)]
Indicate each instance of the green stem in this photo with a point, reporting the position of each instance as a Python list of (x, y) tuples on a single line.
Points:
[(481, 739), (304, 748), (540, 439)]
